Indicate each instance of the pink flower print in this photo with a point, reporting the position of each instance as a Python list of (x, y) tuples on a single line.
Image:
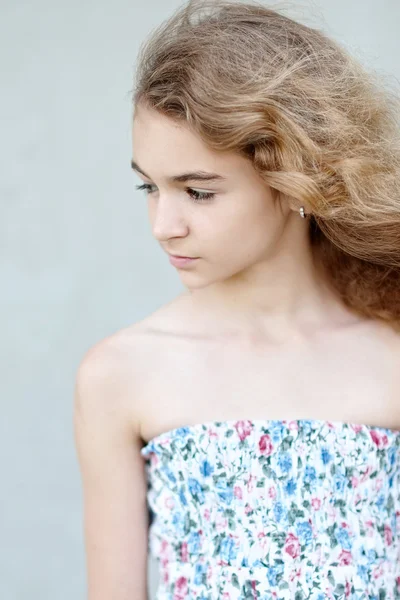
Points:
[(264, 541), (379, 439), (212, 433), (221, 523), (184, 552), (226, 596), (345, 558), (357, 428), (331, 512), (292, 545), (369, 523), (237, 492), (377, 572), (170, 503), (209, 572), (165, 442), (293, 426), (388, 535), (207, 514), (295, 574), (317, 555), (250, 482), (316, 503), (272, 492), (347, 589), (181, 589), (164, 547), (366, 474), (243, 428), (164, 574), (248, 509), (370, 533), (355, 482), (265, 444), (222, 563)]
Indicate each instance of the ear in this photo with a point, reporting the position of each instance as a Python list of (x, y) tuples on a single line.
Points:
[(288, 201)]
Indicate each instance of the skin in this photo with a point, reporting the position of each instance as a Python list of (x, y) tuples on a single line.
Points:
[(256, 302), (256, 266)]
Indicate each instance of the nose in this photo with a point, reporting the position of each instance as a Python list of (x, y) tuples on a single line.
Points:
[(168, 219)]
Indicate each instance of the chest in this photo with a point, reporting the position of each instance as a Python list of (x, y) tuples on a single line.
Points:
[(192, 382)]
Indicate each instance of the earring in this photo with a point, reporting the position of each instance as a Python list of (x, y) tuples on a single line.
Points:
[(302, 213)]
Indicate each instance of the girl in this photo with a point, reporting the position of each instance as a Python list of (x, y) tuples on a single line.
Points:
[(257, 415)]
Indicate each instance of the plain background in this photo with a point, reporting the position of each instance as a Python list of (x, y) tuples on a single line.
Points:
[(77, 257)]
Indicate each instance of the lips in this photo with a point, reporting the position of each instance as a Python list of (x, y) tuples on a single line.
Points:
[(179, 256), (181, 261)]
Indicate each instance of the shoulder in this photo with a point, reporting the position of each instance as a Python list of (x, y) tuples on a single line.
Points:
[(391, 340), (101, 380), (103, 363), (396, 377), (395, 346), (389, 352), (112, 373)]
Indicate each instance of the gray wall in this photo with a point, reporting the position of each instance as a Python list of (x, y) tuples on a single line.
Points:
[(77, 257)]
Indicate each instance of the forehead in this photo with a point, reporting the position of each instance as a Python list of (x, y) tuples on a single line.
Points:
[(162, 146), (154, 134)]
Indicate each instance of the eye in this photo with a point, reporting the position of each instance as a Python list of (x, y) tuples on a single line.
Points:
[(199, 196), (195, 195)]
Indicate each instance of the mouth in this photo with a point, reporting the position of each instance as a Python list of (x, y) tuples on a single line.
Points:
[(180, 256), (181, 261)]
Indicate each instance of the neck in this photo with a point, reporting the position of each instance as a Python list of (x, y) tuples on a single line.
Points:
[(286, 294)]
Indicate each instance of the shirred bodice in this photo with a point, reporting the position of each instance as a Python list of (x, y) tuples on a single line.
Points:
[(272, 509)]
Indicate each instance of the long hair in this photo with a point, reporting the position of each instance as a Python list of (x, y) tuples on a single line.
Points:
[(316, 125)]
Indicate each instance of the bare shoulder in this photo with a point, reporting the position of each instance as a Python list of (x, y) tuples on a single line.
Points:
[(114, 371), (391, 339), (390, 353), (107, 415), (394, 341)]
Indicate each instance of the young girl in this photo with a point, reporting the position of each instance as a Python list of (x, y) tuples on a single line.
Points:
[(256, 417)]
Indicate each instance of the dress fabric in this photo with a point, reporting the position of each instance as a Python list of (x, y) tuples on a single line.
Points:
[(275, 510)]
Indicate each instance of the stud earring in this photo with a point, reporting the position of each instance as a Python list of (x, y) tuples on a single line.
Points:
[(302, 213)]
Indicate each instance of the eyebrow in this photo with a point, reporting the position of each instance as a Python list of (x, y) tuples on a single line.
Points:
[(183, 177)]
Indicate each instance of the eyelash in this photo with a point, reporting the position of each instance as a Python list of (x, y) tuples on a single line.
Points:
[(195, 196)]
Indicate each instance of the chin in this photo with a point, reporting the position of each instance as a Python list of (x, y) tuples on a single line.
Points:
[(195, 285), (194, 281)]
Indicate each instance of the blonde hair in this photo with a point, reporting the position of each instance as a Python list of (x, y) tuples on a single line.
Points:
[(316, 125)]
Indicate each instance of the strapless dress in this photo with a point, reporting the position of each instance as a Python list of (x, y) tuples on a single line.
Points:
[(275, 510)]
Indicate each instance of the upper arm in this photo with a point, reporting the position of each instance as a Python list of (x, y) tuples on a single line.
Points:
[(113, 480)]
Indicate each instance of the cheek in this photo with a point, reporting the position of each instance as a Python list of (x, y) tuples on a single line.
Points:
[(248, 231)]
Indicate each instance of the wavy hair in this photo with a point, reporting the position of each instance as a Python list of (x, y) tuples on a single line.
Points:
[(316, 125)]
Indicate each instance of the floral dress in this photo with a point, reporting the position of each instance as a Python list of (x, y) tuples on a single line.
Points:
[(275, 510)]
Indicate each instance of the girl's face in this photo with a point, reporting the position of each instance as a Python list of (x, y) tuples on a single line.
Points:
[(233, 223)]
